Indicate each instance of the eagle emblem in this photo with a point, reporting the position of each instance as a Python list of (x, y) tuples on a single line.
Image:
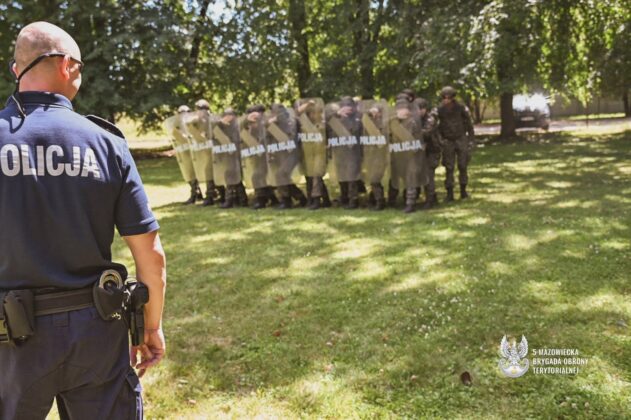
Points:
[(513, 362)]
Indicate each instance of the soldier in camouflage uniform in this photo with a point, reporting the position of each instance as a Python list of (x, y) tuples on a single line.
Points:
[(456, 129), (344, 128), (196, 192), (409, 96), (312, 138), (253, 156), (283, 156), (227, 159), (202, 119), (407, 152), (429, 123)]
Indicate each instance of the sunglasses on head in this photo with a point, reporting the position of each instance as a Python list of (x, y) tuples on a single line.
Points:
[(41, 58), (16, 92)]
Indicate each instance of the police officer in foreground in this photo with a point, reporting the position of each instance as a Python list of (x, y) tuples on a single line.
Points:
[(65, 184), (456, 129)]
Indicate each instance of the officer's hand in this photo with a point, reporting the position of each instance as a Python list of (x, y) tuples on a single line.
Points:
[(345, 111), (403, 113), (227, 119), (151, 352)]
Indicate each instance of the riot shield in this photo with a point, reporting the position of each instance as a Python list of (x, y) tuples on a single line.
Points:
[(181, 146), (407, 149), (311, 129), (197, 125), (343, 131), (283, 155), (375, 116), (253, 156), (226, 156)]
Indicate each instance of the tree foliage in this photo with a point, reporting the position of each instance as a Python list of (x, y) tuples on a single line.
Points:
[(145, 58)]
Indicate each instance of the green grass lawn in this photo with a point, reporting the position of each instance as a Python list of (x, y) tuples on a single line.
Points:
[(354, 314)]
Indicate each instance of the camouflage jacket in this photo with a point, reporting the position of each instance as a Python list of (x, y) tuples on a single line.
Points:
[(429, 124), (455, 121)]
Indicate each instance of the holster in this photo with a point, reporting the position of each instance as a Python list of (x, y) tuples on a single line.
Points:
[(17, 316), (109, 296), (137, 296)]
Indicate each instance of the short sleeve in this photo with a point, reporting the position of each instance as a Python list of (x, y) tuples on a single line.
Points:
[(133, 214)]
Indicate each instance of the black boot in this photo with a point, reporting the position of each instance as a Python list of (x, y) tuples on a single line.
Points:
[(361, 187), (409, 208), (210, 194), (260, 199), (326, 200), (231, 196), (315, 203), (193, 196), (297, 194), (242, 195), (379, 205), (353, 195), (371, 201), (343, 194), (271, 196), (200, 196), (450, 194), (463, 191), (285, 203), (309, 187), (429, 201), (222, 194), (352, 204), (392, 196)]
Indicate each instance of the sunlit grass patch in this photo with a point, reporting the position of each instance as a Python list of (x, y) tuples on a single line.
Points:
[(339, 314)]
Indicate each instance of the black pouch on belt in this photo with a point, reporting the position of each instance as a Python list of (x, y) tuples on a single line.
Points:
[(19, 314), (109, 295)]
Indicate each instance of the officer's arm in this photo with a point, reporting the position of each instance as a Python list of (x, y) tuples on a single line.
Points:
[(430, 125), (151, 270)]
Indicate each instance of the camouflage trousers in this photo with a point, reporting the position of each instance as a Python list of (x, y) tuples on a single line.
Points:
[(349, 191), (377, 191), (410, 195), (433, 160), (315, 186), (290, 191), (456, 151)]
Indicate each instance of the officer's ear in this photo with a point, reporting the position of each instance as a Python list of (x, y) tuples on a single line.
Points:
[(14, 69), (64, 67)]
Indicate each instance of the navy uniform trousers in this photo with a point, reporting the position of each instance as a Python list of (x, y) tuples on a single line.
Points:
[(76, 358)]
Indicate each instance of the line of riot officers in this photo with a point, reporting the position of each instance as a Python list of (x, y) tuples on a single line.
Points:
[(361, 145)]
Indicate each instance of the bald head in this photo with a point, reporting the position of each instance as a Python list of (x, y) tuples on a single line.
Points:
[(54, 74), (40, 38)]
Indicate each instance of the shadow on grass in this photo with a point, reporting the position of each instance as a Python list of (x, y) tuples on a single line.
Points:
[(390, 308)]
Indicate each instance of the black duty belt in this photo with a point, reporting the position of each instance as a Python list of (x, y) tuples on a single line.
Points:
[(113, 298), (18, 309), (64, 301)]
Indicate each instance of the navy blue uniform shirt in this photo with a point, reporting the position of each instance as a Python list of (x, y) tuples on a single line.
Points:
[(65, 183)]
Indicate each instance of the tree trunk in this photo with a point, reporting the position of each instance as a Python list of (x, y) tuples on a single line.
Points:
[(367, 56), (298, 23), (506, 115), (197, 39), (366, 39), (625, 101), (477, 113)]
